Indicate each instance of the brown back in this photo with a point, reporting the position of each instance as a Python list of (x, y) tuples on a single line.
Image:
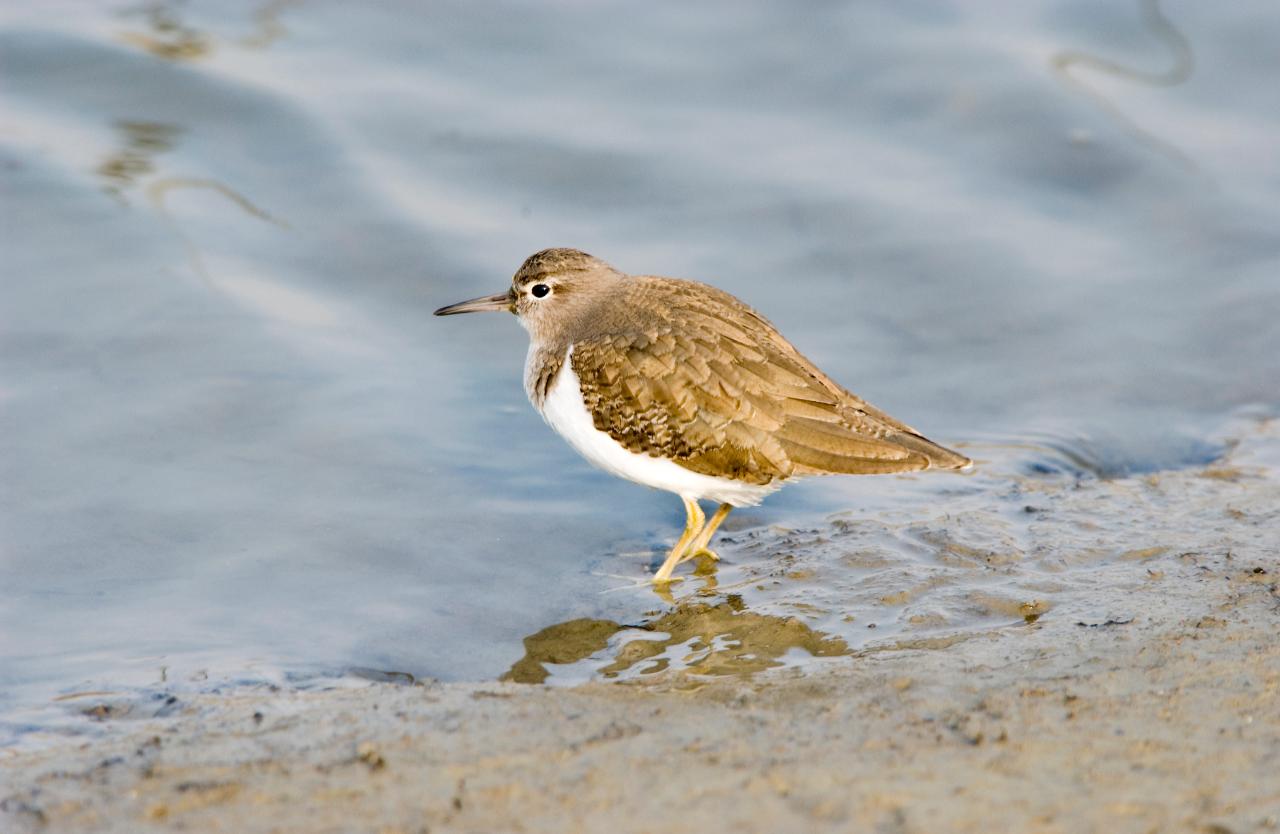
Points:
[(685, 371)]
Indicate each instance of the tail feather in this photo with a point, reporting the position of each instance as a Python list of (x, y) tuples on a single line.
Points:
[(939, 457)]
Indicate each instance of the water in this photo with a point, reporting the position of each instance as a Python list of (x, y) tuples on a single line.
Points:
[(235, 447)]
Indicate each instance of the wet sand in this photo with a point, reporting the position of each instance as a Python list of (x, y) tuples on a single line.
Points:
[(1158, 711)]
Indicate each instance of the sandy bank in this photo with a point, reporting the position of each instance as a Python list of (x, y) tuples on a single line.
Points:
[(1160, 711)]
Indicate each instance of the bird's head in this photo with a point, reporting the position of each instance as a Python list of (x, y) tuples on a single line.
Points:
[(551, 290)]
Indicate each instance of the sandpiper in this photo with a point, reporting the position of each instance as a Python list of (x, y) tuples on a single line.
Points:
[(680, 386)]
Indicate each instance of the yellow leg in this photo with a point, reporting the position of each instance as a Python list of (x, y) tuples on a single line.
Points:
[(699, 544), (694, 519)]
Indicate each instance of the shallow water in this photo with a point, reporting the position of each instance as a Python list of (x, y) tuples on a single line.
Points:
[(234, 446)]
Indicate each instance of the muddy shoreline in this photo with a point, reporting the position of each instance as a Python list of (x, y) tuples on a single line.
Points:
[(1156, 709), (1148, 725)]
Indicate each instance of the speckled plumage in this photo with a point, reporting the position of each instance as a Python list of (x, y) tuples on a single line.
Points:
[(686, 371)]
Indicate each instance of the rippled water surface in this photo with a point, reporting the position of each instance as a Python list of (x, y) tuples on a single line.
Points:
[(234, 445)]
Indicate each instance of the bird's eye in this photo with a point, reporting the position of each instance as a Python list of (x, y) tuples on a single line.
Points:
[(540, 290)]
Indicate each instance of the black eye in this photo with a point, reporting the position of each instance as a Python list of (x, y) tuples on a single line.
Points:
[(540, 290)]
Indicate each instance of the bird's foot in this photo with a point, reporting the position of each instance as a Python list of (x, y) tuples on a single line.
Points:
[(697, 551)]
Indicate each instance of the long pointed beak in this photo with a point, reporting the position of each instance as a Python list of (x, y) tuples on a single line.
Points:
[(487, 304)]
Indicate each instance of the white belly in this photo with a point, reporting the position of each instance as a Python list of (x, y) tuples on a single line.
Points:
[(565, 412)]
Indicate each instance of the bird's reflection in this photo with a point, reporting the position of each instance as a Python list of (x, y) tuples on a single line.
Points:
[(703, 638)]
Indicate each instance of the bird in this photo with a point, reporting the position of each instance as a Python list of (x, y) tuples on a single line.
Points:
[(680, 386)]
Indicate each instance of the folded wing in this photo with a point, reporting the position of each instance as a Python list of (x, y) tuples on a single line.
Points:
[(712, 385)]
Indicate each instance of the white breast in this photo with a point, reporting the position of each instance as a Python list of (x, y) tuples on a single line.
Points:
[(564, 411)]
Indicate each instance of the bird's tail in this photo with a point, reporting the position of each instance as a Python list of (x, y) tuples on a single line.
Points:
[(939, 457)]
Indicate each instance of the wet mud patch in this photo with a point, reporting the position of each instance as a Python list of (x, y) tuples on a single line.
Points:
[(1007, 554)]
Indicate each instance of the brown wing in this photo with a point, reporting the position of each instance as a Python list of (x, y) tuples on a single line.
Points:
[(701, 378)]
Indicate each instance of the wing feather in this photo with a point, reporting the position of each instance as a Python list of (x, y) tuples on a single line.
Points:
[(695, 375)]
